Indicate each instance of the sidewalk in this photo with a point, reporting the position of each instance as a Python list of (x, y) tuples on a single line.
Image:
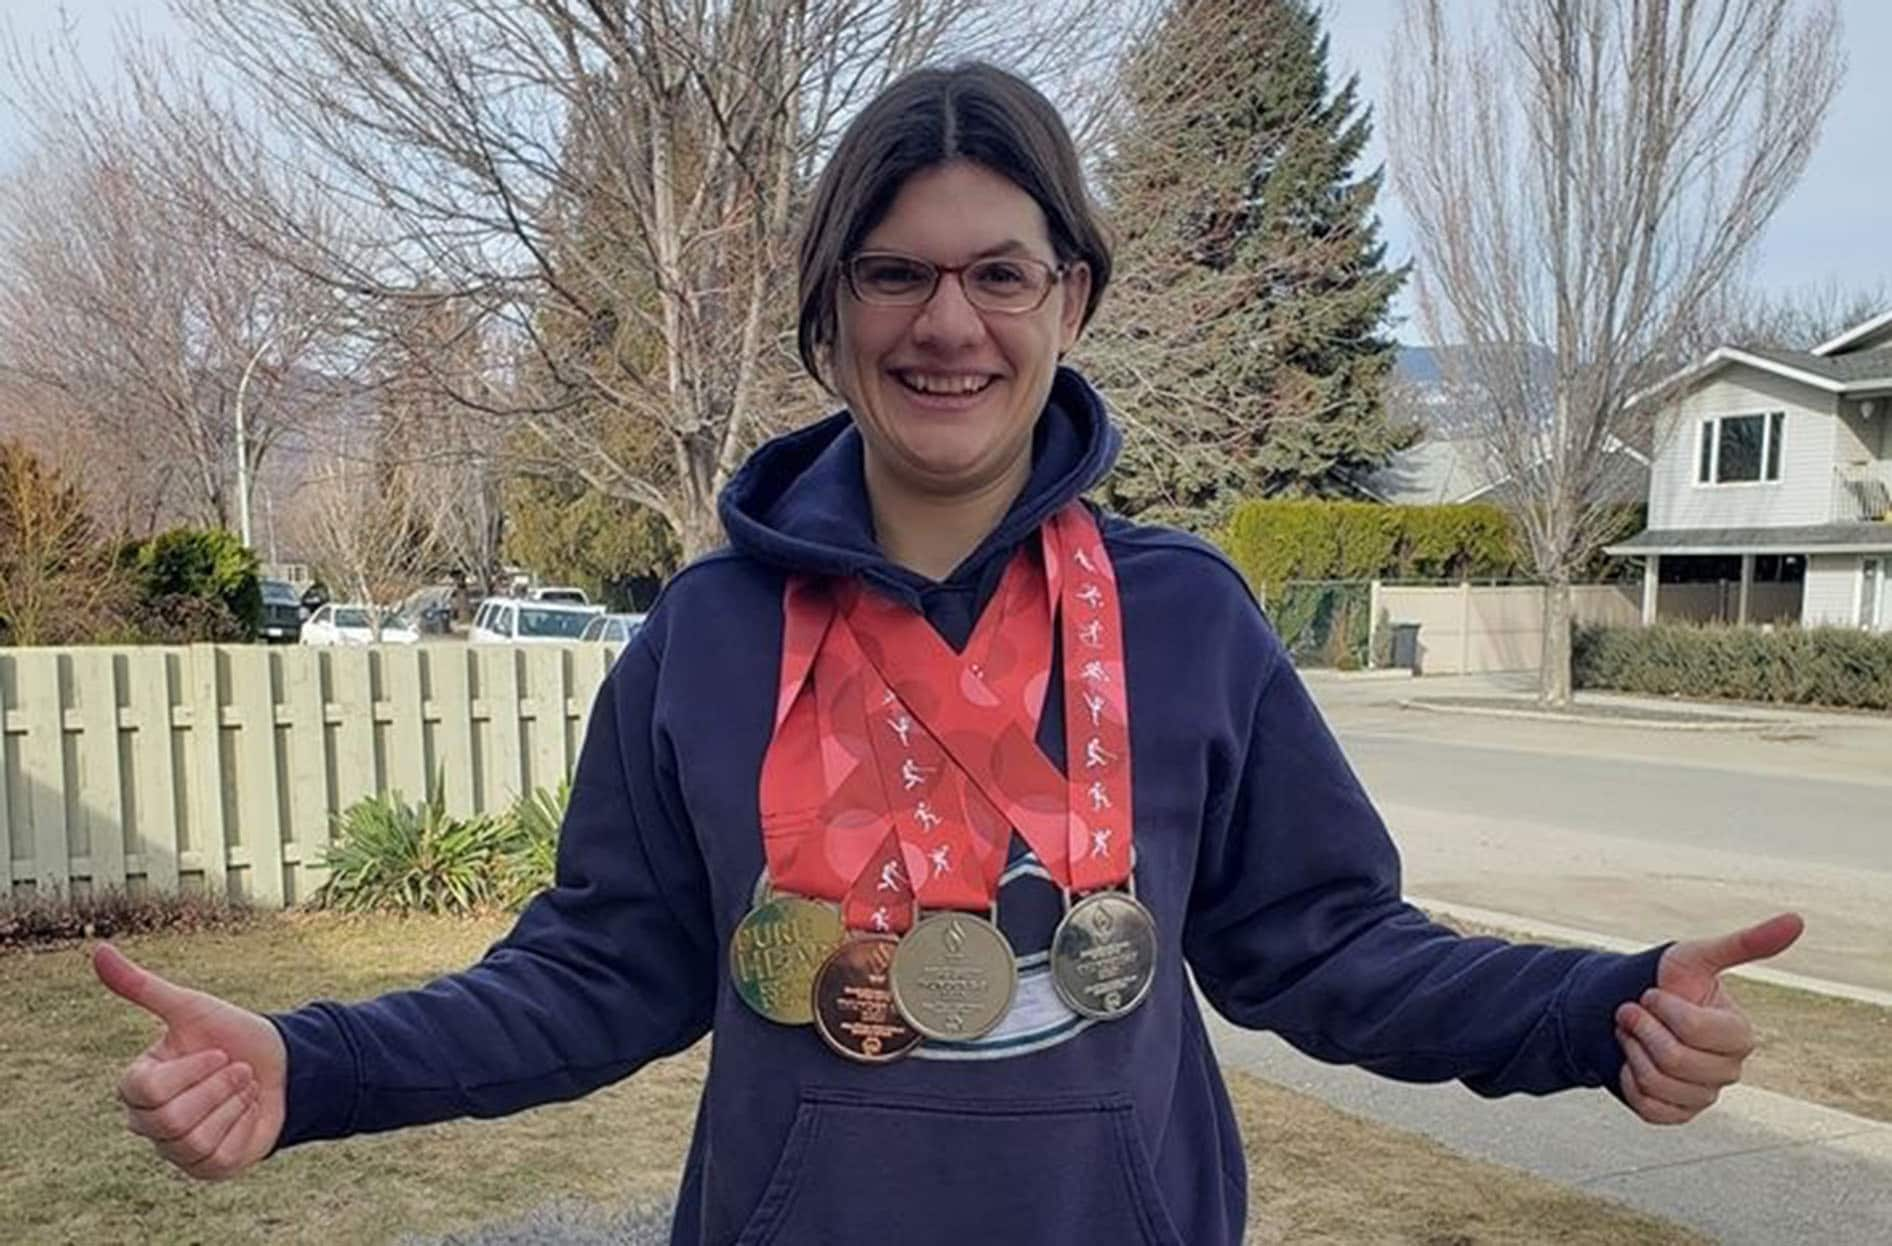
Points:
[(1758, 1169)]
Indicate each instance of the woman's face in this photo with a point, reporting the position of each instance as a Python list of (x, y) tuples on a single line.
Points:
[(945, 394)]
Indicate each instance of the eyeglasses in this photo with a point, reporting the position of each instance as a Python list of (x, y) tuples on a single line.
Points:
[(1010, 285)]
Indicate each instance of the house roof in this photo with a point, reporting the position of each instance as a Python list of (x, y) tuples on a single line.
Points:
[(1864, 372), (1857, 366), (1879, 326), (1454, 469), (1810, 539)]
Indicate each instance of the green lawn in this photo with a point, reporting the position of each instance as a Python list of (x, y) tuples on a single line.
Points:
[(70, 1173)]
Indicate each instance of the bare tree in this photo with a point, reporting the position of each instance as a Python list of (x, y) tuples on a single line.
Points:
[(146, 320), (608, 189), (373, 529), (1584, 178), (1793, 319)]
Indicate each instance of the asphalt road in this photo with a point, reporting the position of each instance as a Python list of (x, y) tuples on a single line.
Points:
[(1689, 806), (1644, 835)]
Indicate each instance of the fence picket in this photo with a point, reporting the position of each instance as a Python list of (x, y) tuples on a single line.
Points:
[(259, 812), (154, 789), (101, 800), (43, 766)]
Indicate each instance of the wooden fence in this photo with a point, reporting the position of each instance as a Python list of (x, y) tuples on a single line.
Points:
[(220, 767)]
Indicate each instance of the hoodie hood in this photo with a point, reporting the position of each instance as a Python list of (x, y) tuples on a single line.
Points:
[(800, 502)]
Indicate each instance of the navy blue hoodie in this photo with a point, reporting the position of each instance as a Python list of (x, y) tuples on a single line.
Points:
[(1270, 876)]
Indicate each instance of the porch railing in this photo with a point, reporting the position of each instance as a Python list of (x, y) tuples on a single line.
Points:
[(1862, 493)]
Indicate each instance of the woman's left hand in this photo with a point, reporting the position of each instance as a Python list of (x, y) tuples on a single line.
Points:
[(1685, 1038)]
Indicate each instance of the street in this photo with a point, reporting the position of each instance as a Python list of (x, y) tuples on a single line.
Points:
[(1637, 833)]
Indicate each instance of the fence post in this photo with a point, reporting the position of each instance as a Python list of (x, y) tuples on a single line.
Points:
[(1372, 624), (1464, 627)]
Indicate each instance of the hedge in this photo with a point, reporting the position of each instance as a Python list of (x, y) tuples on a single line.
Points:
[(1793, 666), (1273, 541)]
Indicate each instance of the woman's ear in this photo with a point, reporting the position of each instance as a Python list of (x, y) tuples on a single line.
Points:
[(1076, 292)]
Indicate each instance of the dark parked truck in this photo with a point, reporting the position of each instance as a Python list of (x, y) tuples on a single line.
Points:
[(282, 613)]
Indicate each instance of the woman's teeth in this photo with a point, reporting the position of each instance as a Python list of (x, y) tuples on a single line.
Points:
[(952, 385)]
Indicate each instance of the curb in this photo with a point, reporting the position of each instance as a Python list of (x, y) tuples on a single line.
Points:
[(1590, 720), (1514, 924)]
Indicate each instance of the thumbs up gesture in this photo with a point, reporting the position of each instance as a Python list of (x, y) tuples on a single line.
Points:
[(209, 1093), (1685, 1039)]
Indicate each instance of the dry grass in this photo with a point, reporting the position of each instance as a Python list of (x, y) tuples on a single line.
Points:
[(69, 1173), (1832, 1051)]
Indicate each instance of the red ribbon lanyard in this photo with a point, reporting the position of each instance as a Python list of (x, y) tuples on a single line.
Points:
[(892, 750), (1079, 823)]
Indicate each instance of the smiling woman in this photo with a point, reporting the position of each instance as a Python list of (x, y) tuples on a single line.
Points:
[(923, 794)]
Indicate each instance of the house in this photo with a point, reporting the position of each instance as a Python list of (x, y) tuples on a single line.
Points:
[(1770, 497), (1452, 460)]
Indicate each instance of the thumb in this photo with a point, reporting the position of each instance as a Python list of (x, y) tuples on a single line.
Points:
[(1757, 942), (128, 980)]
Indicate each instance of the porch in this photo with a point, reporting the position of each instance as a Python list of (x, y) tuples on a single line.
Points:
[(1828, 575)]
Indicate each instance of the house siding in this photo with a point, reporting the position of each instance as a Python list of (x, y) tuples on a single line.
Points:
[(1803, 494), (1832, 593)]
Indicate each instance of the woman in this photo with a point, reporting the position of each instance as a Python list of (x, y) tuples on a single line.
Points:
[(921, 687)]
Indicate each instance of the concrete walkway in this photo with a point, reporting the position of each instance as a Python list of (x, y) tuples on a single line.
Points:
[(1759, 1168)]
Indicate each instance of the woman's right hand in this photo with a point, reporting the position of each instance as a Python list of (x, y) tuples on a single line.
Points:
[(210, 1092)]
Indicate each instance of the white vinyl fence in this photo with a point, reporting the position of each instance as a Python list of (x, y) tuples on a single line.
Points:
[(219, 767)]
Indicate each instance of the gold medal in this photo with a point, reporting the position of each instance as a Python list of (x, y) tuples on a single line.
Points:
[(954, 976), (1103, 956), (777, 949), (853, 1002)]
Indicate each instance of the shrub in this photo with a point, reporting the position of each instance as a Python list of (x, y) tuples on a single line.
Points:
[(392, 856), (1793, 666), (1276, 540), (536, 818), (388, 855), (44, 918), (196, 584)]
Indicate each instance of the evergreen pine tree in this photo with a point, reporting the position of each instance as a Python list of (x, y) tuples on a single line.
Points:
[(1245, 344)]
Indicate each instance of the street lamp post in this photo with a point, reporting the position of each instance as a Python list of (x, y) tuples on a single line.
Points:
[(243, 448)]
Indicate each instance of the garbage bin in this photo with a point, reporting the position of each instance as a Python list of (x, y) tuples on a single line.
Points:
[(1406, 646)]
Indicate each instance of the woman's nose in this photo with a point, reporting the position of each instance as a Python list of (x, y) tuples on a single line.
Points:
[(947, 318)]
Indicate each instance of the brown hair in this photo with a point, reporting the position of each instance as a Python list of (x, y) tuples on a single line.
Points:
[(974, 111)]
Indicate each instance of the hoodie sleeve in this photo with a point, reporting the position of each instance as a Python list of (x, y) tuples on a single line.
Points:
[(610, 968), (1297, 925)]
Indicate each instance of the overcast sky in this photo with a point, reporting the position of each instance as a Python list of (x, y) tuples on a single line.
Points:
[(1835, 228)]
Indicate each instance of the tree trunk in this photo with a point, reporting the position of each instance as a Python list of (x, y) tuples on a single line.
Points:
[(1553, 680)]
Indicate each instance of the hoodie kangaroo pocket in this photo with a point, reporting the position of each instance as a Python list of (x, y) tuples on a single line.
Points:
[(923, 1171)]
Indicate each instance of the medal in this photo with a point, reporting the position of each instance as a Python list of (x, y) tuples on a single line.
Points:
[(777, 949), (1103, 956), (853, 1002), (954, 976)]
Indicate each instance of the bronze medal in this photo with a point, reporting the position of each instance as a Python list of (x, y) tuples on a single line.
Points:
[(853, 1002), (777, 949), (1103, 956), (954, 975)]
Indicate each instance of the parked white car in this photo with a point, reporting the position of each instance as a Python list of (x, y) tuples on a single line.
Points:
[(354, 625), (512, 621), (561, 593), (613, 628)]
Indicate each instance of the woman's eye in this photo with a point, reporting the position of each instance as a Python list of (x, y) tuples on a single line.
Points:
[(892, 273), (1000, 275)]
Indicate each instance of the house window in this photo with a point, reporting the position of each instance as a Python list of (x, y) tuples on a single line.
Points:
[(1741, 449), (1871, 572)]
